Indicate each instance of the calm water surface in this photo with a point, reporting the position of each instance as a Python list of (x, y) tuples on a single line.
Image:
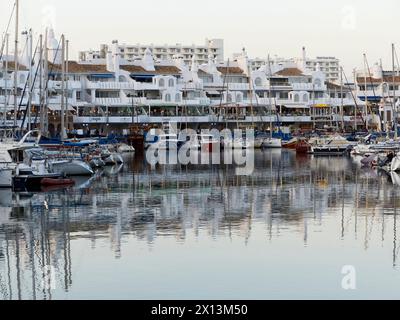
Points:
[(201, 232)]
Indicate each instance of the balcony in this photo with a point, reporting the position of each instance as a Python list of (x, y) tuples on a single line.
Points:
[(113, 85)]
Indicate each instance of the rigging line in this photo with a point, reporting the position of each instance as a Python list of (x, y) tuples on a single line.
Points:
[(373, 88), (31, 88), (51, 70), (8, 27), (28, 78), (354, 98)]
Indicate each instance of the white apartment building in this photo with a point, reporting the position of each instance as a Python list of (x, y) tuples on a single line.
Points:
[(213, 48), (330, 66)]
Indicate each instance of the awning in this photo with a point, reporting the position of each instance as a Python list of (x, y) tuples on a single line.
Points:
[(321, 106), (212, 92), (58, 108), (102, 75), (295, 106)]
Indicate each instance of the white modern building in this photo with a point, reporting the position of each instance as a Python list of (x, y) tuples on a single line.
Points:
[(200, 53), (330, 66), (112, 94)]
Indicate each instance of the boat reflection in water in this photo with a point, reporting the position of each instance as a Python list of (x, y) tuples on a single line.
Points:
[(137, 231)]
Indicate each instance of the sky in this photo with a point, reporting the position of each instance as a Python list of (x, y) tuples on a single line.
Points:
[(342, 28)]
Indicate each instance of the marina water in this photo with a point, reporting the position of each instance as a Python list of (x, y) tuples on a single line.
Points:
[(202, 232)]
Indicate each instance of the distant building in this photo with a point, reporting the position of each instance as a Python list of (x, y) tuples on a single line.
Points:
[(213, 48), (330, 66)]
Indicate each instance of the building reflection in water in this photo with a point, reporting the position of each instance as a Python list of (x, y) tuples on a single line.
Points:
[(285, 194)]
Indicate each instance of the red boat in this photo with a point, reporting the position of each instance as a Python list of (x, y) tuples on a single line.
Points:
[(303, 147), (57, 182), (292, 144)]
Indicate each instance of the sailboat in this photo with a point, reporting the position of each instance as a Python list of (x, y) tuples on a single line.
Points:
[(271, 142)]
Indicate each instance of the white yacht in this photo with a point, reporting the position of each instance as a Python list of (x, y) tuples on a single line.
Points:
[(336, 145), (272, 143), (70, 167)]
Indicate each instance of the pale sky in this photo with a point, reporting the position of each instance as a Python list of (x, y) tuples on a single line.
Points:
[(342, 28)]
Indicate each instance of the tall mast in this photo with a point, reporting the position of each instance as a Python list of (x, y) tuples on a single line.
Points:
[(41, 104), (355, 104), (29, 106), (394, 94), (270, 94), (341, 98), (16, 62), (6, 82), (365, 92), (45, 83), (66, 83), (62, 86)]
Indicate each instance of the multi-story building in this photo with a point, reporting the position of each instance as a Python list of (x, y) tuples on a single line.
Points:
[(330, 66), (200, 53), (112, 94)]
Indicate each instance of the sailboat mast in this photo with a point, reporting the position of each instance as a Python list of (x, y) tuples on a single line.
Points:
[(355, 104), (66, 83), (16, 61), (365, 92), (29, 106), (41, 105), (6, 82), (62, 86), (270, 94), (394, 94), (341, 98)]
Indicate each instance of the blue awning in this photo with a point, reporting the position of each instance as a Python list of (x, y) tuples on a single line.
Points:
[(371, 98), (102, 75)]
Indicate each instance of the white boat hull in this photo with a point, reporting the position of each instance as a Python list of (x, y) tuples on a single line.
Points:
[(71, 168), (272, 143), (6, 175)]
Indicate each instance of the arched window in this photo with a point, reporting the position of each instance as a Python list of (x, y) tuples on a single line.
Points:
[(229, 98), (296, 98), (171, 83), (317, 82), (305, 97), (161, 82), (168, 97), (258, 82), (178, 97), (122, 79), (238, 97)]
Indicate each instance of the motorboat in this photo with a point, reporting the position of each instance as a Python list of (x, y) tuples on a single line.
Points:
[(272, 143), (124, 148), (70, 167), (303, 147), (334, 146), (291, 144)]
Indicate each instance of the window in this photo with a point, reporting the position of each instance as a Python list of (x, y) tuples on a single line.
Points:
[(168, 97), (258, 82), (238, 97), (317, 82), (296, 98), (178, 97), (229, 98), (305, 97), (161, 82), (171, 83)]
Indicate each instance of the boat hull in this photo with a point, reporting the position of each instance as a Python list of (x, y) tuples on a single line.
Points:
[(272, 143), (72, 168), (6, 180)]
